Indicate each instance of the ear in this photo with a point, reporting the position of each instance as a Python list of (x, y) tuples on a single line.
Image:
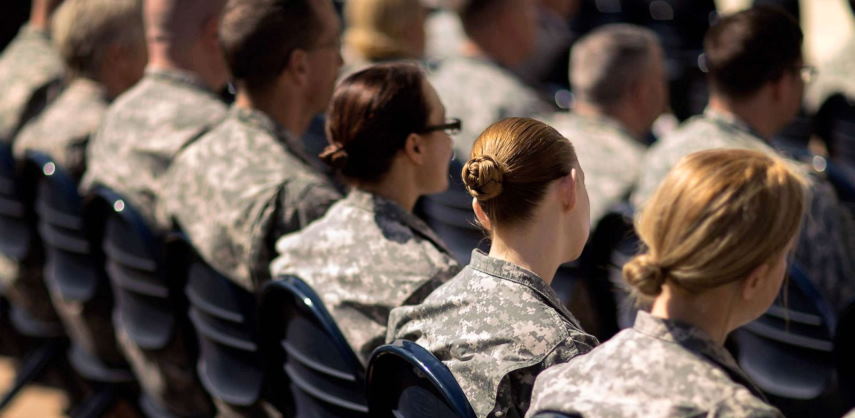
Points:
[(567, 189), (298, 66), (211, 31), (415, 149), (753, 284), (481, 215), (776, 87)]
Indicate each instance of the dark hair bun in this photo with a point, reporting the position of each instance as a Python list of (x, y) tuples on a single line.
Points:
[(483, 177), (335, 156), (644, 274)]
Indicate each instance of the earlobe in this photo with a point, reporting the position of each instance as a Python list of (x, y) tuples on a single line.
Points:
[(299, 65), (414, 149), (480, 215)]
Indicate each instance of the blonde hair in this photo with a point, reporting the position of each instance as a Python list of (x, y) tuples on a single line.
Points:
[(83, 29), (717, 216), (512, 163), (377, 28)]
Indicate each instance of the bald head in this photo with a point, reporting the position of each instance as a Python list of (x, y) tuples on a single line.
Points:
[(179, 21)]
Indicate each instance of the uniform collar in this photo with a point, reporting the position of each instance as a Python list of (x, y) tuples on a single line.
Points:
[(729, 121), (179, 77), (506, 270), (696, 341), (261, 121), (384, 207)]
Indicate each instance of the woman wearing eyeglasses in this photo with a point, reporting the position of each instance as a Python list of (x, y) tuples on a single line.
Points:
[(498, 323), (390, 142)]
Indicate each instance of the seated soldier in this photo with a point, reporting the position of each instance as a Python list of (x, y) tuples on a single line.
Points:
[(498, 323), (718, 233), (369, 253)]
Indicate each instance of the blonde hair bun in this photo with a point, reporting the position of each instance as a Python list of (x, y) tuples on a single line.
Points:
[(644, 274), (483, 177)]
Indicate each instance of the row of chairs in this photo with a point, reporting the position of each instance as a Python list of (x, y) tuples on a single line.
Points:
[(281, 348)]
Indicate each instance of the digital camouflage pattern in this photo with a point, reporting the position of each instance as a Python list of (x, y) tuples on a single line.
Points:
[(609, 155), (144, 130), (826, 246), (658, 368), (239, 188), (480, 92), (385, 257), (496, 326), (30, 74), (63, 129)]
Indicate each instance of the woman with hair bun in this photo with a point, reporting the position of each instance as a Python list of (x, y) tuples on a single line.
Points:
[(498, 323), (389, 140), (718, 232)]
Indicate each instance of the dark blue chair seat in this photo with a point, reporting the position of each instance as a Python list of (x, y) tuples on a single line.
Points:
[(301, 338), (407, 381)]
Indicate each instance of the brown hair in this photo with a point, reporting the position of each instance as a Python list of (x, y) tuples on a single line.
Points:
[(371, 114), (718, 215), (376, 28), (512, 163)]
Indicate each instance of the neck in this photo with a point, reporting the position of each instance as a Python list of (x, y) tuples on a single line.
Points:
[(488, 46), (396, 185), (710, 311), (40, 15), (753, 111), (531, 246), (629, 119), (170, 57), (286, 109)]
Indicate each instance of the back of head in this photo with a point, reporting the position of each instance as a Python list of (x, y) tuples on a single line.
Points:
[(512, 163), (747, 49), (378, 29), (84, 29), (372, 113), (178, 22), (477, 13), (717, 216), (259, 37), (605, 63)]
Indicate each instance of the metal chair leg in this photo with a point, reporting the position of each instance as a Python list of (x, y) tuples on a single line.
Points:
[(32, 367)]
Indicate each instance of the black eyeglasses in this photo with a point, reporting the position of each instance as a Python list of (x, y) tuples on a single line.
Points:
[(451, 127)]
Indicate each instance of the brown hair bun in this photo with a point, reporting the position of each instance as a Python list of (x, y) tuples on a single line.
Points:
[(644, 274), (335, 156), (483, 177)]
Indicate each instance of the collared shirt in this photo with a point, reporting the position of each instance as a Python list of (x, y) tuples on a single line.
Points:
[(385, 257), (496, 326), (239, 188), (480, 93), (826, 246), (30, 74), (144, 130), (64, 128), (609, 155), (658, 368)]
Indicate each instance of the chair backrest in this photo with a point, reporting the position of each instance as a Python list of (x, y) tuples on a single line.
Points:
[(323, 373), (224, 316), (17, 221), (407, 381), (145, 302)]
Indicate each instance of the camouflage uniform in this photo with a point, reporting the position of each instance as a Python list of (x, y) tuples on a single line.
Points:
[(610, 156), (480, 92), (240, 187), (496, 326), (826, 247), (385, 257), (63, 129), (658, 368), (30, 71), (143, 131)]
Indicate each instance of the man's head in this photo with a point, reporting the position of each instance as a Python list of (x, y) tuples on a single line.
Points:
[(183, 34), (619, 70), (505, 29), (102, 40), (295, 42)]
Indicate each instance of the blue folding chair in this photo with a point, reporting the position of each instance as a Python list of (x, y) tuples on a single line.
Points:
[(407, 381), (322, 371), (790, 351)]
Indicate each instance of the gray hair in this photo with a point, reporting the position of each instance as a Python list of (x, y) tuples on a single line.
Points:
[(83, 29), (607, 62)]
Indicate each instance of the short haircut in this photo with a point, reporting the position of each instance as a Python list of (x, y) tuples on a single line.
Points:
[(745, 50), (607, 62), (371, 115), (179, 22), (259, 36), (475, 13), (83, 29)]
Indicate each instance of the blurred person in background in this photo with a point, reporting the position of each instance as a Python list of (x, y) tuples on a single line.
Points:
[(718, 233), (548, 63), (388, 136), (477, 84), (383, 30), (498, 323), (757, 78), (102, 43), (618, 77), (173, 105)]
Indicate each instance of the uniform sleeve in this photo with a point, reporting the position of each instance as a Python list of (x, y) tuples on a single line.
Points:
[(746, 406)]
